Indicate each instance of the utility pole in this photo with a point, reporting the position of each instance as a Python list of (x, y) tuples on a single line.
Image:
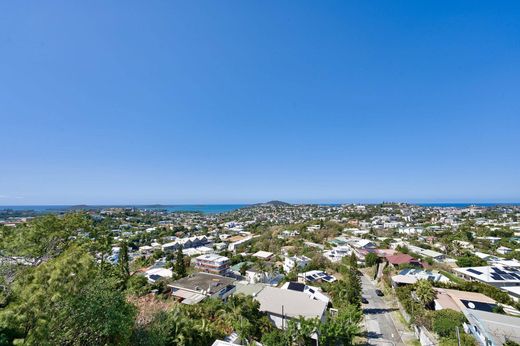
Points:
[(458, 335), (283, 319)]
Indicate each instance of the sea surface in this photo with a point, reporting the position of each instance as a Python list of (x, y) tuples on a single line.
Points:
[(204, 208), (201, 208)]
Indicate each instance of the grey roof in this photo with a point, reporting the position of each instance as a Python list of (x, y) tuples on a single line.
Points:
[(249, 289), (202, 282), (498, 325), (294, 303)]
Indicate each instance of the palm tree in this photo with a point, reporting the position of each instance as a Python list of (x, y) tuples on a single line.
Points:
[(243, 328), (424, 291)]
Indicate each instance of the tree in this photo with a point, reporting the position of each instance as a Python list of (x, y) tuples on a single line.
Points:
[(180, 266), (138, 285), (511, 343), (301, 329), (353, 261), (243, 328), (44, 238), (499, 309), (275, 338), (424, 291), (244, 268), (469, 260), (96, 315), (348, 290), (342, 328), (56, 301), (124, 266), (445, 322), (371, 259)]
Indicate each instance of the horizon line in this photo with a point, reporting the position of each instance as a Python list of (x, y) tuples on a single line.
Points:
[(253, 203)]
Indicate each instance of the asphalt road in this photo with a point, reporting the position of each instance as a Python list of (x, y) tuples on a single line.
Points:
[(378, 320)]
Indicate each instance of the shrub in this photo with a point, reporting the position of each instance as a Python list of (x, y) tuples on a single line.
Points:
[(445, 321)]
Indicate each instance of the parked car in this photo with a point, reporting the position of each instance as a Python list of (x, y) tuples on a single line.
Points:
[(379, 293)]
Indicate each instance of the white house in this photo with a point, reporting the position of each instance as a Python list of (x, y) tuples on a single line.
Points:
[(504, 250), (295, 262), (336, 254), (155, 274), (282, 305), (313, 292)]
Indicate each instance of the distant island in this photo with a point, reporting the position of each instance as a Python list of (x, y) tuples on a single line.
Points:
[(273, 203)]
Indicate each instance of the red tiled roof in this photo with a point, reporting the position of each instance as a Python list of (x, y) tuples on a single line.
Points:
[(400, 259)]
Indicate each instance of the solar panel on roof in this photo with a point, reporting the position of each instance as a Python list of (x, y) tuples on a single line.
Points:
[(499, 271), (296, 286), (496, 276), (478, 305), (474, 271)]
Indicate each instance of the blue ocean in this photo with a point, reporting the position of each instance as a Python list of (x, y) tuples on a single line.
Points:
[(200, 208), (204, 208)]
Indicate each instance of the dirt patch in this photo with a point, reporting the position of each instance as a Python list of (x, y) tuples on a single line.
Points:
[(148, 306)]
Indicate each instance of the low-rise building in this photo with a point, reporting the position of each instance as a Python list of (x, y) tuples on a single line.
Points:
[(265, 255), (491, 329), (212, 263), (295, 262), (185, 243), (238, 241), (311, 291), (498, 276), (281, 305), (460, 300), (401, 258), (315, 276), (199, 286), (504, 250), (436, 256), (411, 276), (155, 274), (337, 253)]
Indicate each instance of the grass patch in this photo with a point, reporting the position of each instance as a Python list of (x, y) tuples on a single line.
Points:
[(451, 276), (414, 342)]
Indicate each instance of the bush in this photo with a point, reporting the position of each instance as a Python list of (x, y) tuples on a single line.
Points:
[(470, 261), (465, 340), (445, 321), (371, 259), (138, 285)]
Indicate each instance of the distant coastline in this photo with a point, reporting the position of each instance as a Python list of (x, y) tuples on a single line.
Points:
[(212, 208)]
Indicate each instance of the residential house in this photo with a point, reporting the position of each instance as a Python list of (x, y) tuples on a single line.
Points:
[(401, 258), (212, 263), (411, 276), (503, 250), (315, 276), (281, 305), (295, 262), (337, 253), (155, 274), (313, 292), (199, 286), (496, 275)]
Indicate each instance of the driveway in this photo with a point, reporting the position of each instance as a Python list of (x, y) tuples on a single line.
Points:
[(378, 320)]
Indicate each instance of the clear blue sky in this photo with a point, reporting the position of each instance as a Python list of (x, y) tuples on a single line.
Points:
[(246, 101)]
